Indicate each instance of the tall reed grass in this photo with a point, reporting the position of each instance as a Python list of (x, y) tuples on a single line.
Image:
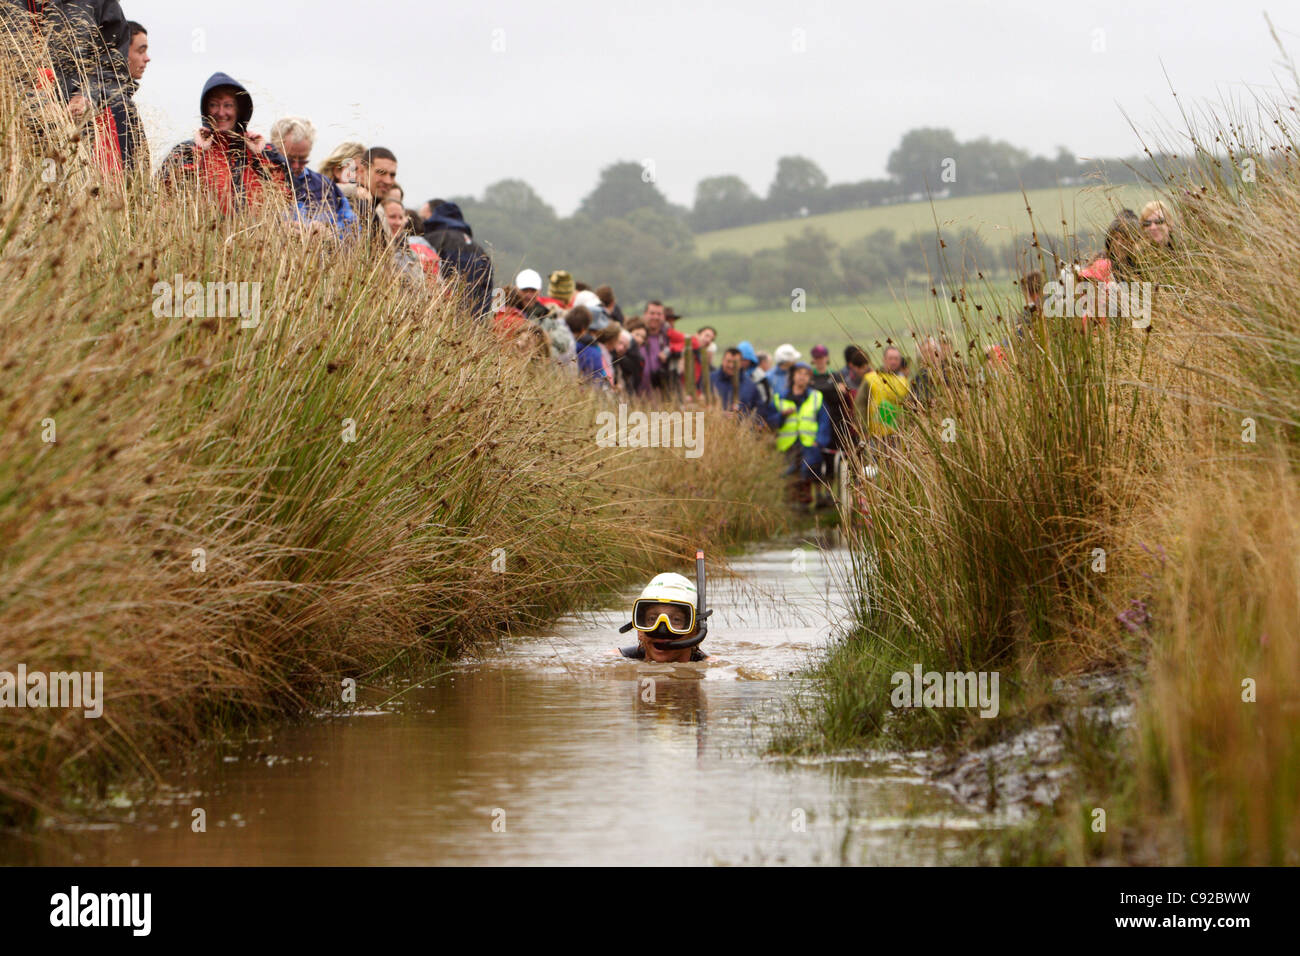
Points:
[(1169, 454), (228, 520)]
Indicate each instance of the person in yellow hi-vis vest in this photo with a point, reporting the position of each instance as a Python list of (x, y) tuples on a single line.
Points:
[(805, 429), (880, 399)]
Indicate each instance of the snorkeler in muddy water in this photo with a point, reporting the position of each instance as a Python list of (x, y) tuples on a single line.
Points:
[(670, 619)]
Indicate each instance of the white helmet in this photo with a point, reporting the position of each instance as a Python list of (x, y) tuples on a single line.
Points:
[(528, 279), (671, 589)]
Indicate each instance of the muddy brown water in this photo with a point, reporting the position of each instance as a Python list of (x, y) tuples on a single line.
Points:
[(547, 749)]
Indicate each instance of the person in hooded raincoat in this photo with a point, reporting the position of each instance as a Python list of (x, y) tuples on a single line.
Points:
[(234, 167)]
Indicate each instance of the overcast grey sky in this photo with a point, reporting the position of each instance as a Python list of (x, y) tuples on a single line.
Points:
[(468, 94)]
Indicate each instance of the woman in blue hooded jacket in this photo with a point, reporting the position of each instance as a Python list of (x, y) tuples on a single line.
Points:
[(234, 167)]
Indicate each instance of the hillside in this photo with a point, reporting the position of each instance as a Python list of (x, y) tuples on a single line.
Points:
[(835, 325), (998, 217)]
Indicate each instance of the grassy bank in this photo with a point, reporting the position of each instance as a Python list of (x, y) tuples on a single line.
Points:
[(998, 217), (1119, 501), (869, 322), (835, 325), (227, 516)]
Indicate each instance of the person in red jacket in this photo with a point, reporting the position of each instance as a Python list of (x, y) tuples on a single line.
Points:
[(234, 167), (88, 45), (120, 145), (510, 320)]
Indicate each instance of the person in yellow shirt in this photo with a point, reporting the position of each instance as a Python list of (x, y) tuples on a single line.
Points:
[(880, 400)]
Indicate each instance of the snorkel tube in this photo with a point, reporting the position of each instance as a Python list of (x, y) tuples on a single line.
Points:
[(701, 626)]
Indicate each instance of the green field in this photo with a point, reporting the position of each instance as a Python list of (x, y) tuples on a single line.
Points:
[(998, 217), (865, 323)]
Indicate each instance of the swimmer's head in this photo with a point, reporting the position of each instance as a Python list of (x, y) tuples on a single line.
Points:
[(665, 613)]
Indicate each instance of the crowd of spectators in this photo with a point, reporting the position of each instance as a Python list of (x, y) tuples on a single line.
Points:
[(813, 411)]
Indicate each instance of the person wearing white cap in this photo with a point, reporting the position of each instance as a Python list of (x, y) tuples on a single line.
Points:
[(785, 356), (529, 283)]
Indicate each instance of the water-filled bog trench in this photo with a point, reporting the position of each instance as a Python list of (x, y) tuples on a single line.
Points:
[(547, 749)]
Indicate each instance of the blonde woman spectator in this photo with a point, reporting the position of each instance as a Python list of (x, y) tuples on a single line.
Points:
[(341, 167), (395, 222), (1155, 224), (395, 218)]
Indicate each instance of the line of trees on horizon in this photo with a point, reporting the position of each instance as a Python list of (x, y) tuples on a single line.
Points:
[(651, 255), (928, 162), (628, 234)]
